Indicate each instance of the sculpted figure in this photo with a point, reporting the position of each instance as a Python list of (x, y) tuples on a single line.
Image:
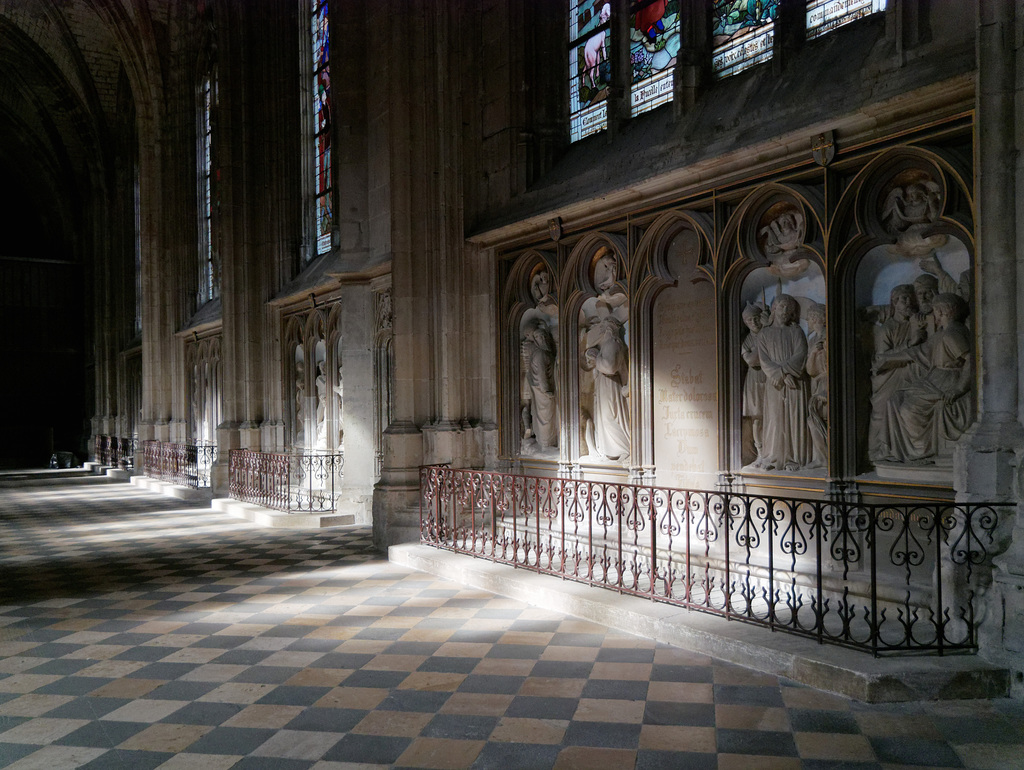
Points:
[(540, 290), (300, 404), (754, 316), (817, 370), (607, 358), (945, 282), (538, 362), (339, 391), (935, 406), (902, 329), (321, 406), (782, 349), (908, 212)]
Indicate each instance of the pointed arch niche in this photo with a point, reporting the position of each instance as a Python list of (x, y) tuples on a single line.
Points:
[(675, 375)]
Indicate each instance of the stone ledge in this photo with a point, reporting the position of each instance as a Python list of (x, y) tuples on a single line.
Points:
[(171, 490), (834, 669), (267, 517)]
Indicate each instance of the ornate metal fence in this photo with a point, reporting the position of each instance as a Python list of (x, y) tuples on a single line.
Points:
[(116, 451), (881, 578), (187, 465), (309, 482)]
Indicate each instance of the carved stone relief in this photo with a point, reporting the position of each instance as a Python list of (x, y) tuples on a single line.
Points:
[(604, 365), (538, 331), (914, 335), (784, 363)]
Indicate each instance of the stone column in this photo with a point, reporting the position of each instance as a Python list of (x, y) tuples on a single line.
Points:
[(986, 458)]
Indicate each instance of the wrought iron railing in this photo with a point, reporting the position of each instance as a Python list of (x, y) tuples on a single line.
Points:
[(308, 482), (882, 578), (187, 465), (115, 451)]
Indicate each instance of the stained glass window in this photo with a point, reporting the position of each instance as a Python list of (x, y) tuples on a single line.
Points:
[(743, 33), (209, 269), (590, 67), (322, 188), (823, 16), (653, 47)]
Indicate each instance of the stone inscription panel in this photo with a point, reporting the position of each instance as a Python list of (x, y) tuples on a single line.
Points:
[(685, 380)]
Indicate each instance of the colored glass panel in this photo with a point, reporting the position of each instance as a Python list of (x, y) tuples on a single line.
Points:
[(590, 68), (320, 35), (653, 46), (209, 274), (823, 16), (743, 33)]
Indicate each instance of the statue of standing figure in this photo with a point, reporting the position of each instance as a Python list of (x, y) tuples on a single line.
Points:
[(782, 350), (755, 316), (538, 362), (607, 358), (817, 370)]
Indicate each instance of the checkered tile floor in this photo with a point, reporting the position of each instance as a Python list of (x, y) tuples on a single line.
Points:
[(137, 632)]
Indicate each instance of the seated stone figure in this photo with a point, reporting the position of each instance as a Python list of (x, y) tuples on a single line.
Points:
[(935, 407)]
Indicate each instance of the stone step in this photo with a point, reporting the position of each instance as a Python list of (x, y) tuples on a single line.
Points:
[(850, 673), (267, 517)]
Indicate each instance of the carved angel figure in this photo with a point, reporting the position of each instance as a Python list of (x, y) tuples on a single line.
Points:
[(910, 210)]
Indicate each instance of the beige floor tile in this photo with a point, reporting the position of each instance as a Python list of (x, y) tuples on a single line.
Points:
[(525, 637), (193, 655), (553, 687), (396, 662), (432, 681), (291, 658), (463, 650), (622, 671), (427, 635), (186, 761), (609, 710), (41, 730), (681, 692), (53, 757), (26, 682), (519, 730), (18, 663), (298, 744), (482, 704), (505, 666), (587, 758), (352, 698), (33, 705), (143, 710), (840, 747), (127, 688), (363, 646), (214, 672), (751, 718), (440, 753), (678, 738), (98, 652), (570, 653), (319, 677), (165, 737), (405, 724), (266, 716), (334, 632), (237, 692), (397, 621), (111, 669), (750, 762)]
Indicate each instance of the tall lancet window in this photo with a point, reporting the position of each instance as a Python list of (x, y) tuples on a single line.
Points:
[(653, 48), (322, 186), (743, 34), (209, 263), (590, 66), (823, 16)]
